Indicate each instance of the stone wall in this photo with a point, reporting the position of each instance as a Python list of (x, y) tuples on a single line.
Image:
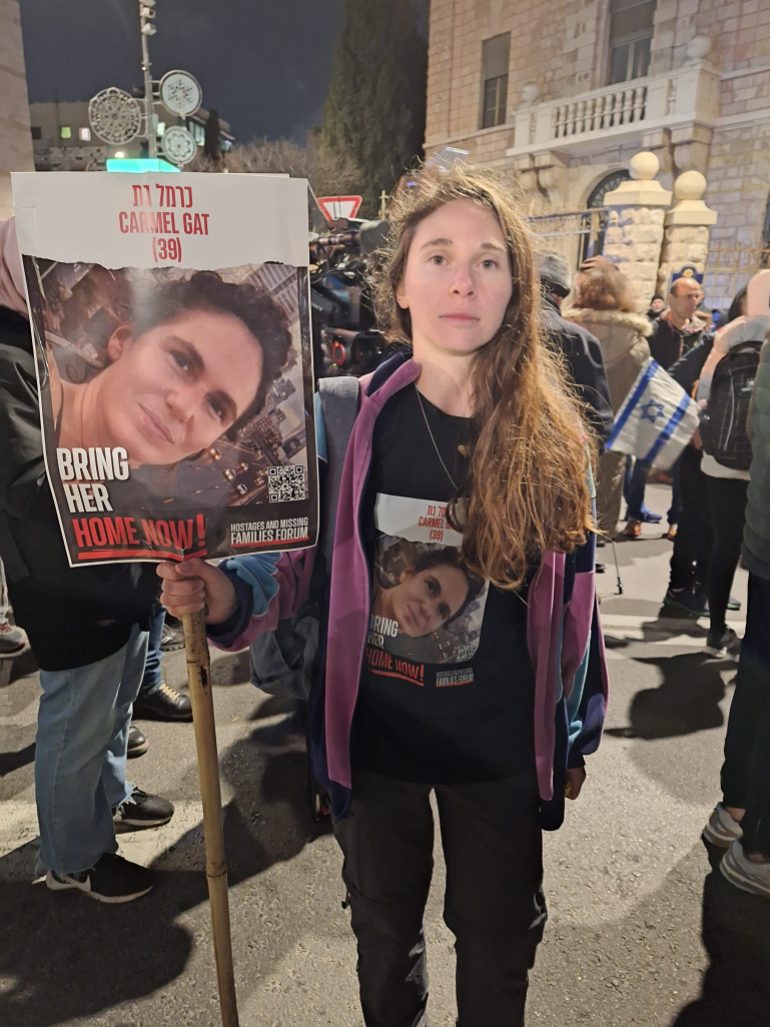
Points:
[(16, 148), (457, 28), (739, 189), (633, 242), (739, 182)]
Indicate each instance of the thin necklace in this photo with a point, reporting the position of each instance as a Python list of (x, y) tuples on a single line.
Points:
[(435, 444)]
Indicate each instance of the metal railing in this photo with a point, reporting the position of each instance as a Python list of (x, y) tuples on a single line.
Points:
[(573, 234)]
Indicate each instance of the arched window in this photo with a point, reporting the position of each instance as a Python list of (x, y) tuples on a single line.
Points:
[(595, 226), (606, 185)]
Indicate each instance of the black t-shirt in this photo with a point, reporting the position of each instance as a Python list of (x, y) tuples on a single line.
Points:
[(447, 684)]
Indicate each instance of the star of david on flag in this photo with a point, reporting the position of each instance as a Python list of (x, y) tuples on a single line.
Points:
[(656, 420), (651, 411)]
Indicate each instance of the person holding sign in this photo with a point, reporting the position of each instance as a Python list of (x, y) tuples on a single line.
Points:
[(88, 631), (470, 442)]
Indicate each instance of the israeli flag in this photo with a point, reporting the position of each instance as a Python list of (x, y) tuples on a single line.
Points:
[(657, 418)]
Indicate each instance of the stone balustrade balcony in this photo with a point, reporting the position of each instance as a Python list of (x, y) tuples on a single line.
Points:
[(619, 113)]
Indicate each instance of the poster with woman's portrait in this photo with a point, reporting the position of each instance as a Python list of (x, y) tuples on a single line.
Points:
[(169, 316), (427, 607)]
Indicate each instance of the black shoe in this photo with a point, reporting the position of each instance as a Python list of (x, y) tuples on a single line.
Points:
[(137, 743), (163, 704), (691, 601), (733, 603), (110, 879), (141, 810), (600, 568), (722, 643)]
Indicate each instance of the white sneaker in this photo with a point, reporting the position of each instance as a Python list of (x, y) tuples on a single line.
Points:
[(744, 873), (721, 829)]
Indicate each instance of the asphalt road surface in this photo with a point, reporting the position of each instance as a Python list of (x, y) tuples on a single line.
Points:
[(642, 930)]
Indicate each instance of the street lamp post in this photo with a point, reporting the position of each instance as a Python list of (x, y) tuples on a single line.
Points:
[(147, 29)]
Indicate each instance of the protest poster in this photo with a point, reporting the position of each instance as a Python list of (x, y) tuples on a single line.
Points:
[(171, 329), (427, 608)]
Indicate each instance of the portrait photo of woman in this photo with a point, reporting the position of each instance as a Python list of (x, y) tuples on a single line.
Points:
[(427, 599), (197, 377)]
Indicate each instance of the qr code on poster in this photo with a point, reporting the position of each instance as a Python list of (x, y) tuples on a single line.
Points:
[(286, 483)]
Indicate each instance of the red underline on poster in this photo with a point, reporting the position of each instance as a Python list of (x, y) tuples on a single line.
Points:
[(401, 677), (266, 545), (138, 553)]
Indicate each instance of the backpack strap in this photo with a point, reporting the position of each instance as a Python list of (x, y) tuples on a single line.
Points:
[(340, 400)]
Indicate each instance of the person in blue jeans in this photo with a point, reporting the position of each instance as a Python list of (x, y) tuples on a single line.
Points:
[(88, 630), (156, 700), (634, 488)]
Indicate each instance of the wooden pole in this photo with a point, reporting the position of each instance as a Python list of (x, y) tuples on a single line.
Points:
[(199, 679)]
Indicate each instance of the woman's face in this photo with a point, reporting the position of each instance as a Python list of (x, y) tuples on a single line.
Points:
[(457, 280), (174, 390), (425, 600)]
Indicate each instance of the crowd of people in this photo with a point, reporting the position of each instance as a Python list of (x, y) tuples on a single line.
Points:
[(503, 403)]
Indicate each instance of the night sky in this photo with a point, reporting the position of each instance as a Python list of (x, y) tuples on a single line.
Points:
[(264, 65)]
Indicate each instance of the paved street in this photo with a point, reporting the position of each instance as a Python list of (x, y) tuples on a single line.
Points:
[(636, 915)]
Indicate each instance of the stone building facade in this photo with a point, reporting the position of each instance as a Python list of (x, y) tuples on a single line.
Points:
[(15, 140), (562, 94)]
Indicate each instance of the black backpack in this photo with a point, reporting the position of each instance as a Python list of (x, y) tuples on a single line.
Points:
[(724, 422), (286, 661)]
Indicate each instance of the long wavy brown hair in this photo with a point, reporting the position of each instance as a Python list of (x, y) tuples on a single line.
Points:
[(528, 486)]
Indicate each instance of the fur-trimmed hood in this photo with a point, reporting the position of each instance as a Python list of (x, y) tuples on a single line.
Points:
[(586, 317), (623, 340)]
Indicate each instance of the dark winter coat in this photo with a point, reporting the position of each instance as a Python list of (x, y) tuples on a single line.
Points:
[(583, 354), (73, 616), (756, 534)]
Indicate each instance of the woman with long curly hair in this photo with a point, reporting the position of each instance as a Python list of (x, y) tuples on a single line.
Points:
[(468, 441)]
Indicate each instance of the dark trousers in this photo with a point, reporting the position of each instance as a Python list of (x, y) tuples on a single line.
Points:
[(693, 542), (493, 903), (746, 770), (727, 501), (674, 512)]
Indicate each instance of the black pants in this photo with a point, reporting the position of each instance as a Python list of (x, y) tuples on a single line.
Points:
[(746, 770), (692, 544), (493, 903), (727, 500)]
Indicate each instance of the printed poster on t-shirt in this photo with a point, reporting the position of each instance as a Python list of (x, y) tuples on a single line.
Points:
[(427, 608), (170, 321)]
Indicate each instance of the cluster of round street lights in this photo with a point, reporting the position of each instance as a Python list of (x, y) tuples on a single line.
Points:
[(116, 117)]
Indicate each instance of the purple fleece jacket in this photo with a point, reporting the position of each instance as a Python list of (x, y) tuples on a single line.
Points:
[(563, 633)]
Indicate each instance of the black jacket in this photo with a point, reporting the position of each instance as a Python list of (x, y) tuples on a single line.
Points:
[(73, 616), (687, 370), (668, 344), (583, 353)]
